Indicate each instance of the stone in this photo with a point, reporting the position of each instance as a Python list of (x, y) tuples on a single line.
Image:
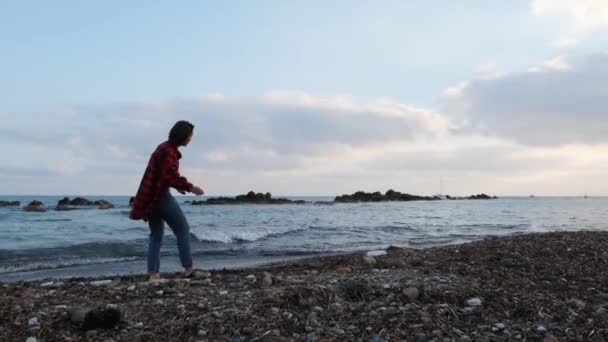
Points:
[(139, 325), (420, 337), (77, 314), (412, 293), (101, 318), (370, 260), (100, 283), (390, 312), (198, 274), (33, 322), (473, 302), (550, 338), (266, 280), (31, 339)]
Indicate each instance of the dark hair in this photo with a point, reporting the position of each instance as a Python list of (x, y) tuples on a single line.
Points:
[(180, 132)]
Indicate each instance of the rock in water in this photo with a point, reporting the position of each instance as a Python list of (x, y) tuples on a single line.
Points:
[(10, 204), (35, 206), (80, 201), (103, 204)]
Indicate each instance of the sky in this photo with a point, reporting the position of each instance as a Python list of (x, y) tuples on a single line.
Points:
[(308, 97)]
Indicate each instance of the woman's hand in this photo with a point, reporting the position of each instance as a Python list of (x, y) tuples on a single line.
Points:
[(197, 191)]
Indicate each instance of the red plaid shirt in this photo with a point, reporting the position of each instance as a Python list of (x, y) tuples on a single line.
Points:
[(162, 172)]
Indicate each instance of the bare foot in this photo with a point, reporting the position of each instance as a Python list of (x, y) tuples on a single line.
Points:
[(154, 276)]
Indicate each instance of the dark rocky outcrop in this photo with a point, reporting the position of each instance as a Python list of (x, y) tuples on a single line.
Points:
[(35, 206), (472, 197), (250, 198), (481, 197), (10, 203), (64, 205), (390, 195), (131, 201), (103, 204), (79, 202)]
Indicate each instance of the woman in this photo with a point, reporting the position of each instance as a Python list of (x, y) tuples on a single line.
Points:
[(155, 204)]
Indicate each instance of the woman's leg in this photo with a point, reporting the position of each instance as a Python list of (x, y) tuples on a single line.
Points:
[(157, 229), (173, 215)]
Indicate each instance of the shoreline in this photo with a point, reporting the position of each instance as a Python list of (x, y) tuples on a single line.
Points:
[(535, 287)]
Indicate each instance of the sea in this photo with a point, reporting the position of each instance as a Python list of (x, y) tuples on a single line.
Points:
[(94, 242)]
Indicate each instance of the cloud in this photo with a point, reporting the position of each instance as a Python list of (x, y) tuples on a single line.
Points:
[(515, 141), (578, 17), (555, 103)]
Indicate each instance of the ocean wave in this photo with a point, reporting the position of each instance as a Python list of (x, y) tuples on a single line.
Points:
[(106, 249), (241, 236), (49, 265), (492, 226), (50, 220)]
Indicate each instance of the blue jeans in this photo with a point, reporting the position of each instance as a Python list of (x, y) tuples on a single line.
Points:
[(168, 211)]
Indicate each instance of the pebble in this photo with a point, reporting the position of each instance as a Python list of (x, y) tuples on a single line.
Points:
[(31, 339), (601, 311), (499, 326), (411, 292), (370, 260), (131, 288), (337, 331), (139, 325), (376, 253), (421, 337), (541, 329), (101, 282), (473, 302), (266, 280), (198, 274), (47, 284), (223, 293), (91, 333), (390, 312), (33, 322), (77, 314), (550, 338)]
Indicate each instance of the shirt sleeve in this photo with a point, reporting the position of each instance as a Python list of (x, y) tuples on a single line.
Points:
[(171, 174)]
